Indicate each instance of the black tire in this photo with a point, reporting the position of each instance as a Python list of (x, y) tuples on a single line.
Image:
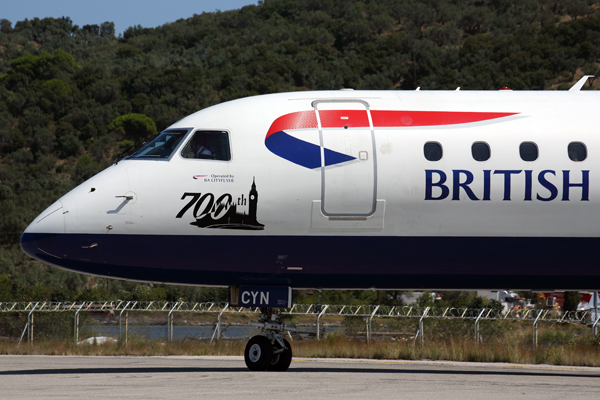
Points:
[(258, 354), (281, 361)]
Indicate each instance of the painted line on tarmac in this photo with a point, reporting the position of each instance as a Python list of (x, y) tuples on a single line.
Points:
[(449, 363), (409, 362)]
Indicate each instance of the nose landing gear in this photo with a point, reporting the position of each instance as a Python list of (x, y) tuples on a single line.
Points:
[(282, 357), (259, 353), (269, 351)]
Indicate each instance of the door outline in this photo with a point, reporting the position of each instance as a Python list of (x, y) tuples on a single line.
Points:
[(314, 104)]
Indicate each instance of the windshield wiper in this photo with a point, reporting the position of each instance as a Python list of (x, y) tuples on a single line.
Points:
[(128, 152)]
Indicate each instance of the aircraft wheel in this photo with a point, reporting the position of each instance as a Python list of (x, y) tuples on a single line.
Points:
[(258, 354), (281, 361)]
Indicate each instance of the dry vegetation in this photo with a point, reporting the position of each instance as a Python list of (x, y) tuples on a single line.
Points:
[(575, 354), (504, 341)]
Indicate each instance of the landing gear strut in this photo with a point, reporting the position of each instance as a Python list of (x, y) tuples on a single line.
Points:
[(269, 351)]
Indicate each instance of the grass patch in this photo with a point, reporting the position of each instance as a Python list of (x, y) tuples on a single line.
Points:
[(333, 346), (502, 341)]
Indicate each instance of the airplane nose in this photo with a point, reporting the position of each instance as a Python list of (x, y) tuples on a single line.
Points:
[(44, 237)]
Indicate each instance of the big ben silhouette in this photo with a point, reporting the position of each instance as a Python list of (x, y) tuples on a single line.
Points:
[(253, 195), (234, 218)]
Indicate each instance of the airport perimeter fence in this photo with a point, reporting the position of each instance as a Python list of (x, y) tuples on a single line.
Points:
[(363, 314)]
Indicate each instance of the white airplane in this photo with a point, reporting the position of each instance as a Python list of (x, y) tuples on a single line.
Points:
[(346, 189)]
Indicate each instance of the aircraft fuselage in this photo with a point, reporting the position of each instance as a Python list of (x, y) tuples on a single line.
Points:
[(348, 189)]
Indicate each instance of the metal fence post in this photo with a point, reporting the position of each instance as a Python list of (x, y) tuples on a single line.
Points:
[(421, 326), (23, 334), (120, 329), (170, 322), (595, 314), (30, 325), (535, 341), (76, 324), (219, 321), (477, 326), (318, 318), (417, 335), (594, 326), (369, 326), (218, 326)]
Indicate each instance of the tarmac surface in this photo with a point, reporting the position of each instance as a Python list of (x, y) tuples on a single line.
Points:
[(177, 377)]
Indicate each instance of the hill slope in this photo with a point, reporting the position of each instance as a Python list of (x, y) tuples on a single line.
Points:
[(62, 86)]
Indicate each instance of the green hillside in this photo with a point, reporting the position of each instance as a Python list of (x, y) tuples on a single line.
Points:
[(72, 98)]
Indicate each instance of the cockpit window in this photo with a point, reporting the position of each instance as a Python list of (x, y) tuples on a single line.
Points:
[(163, 146), (208, 145)]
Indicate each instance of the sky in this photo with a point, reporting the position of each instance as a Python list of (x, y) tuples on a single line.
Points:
[(124, 13)]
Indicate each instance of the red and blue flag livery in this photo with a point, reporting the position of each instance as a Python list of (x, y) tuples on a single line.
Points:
[(308, 155)]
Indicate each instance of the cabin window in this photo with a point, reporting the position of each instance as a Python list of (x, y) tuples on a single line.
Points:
[(577, 151), (208, 145), (432, 151), (163, 146), (528, 151), (480, 151)]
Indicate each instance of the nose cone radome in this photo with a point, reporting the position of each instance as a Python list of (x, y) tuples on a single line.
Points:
[(43, 238)]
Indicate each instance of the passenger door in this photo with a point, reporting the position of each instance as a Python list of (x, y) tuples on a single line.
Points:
[(348, 159)]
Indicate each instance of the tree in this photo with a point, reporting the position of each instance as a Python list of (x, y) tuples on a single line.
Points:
[(5, 288), (107, 29), (571, 301), (5, 26), (137, 127), (58, 104)]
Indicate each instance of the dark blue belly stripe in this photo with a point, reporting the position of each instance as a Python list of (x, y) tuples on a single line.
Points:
[(329, 262)]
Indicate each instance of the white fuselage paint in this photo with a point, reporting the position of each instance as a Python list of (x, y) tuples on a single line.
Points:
[(143, 197), (287, 191)]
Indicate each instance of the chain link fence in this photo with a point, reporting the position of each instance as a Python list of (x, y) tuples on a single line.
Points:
[(64, 319)]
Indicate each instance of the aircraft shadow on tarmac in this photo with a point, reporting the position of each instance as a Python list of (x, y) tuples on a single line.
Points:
[(158, 370)]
